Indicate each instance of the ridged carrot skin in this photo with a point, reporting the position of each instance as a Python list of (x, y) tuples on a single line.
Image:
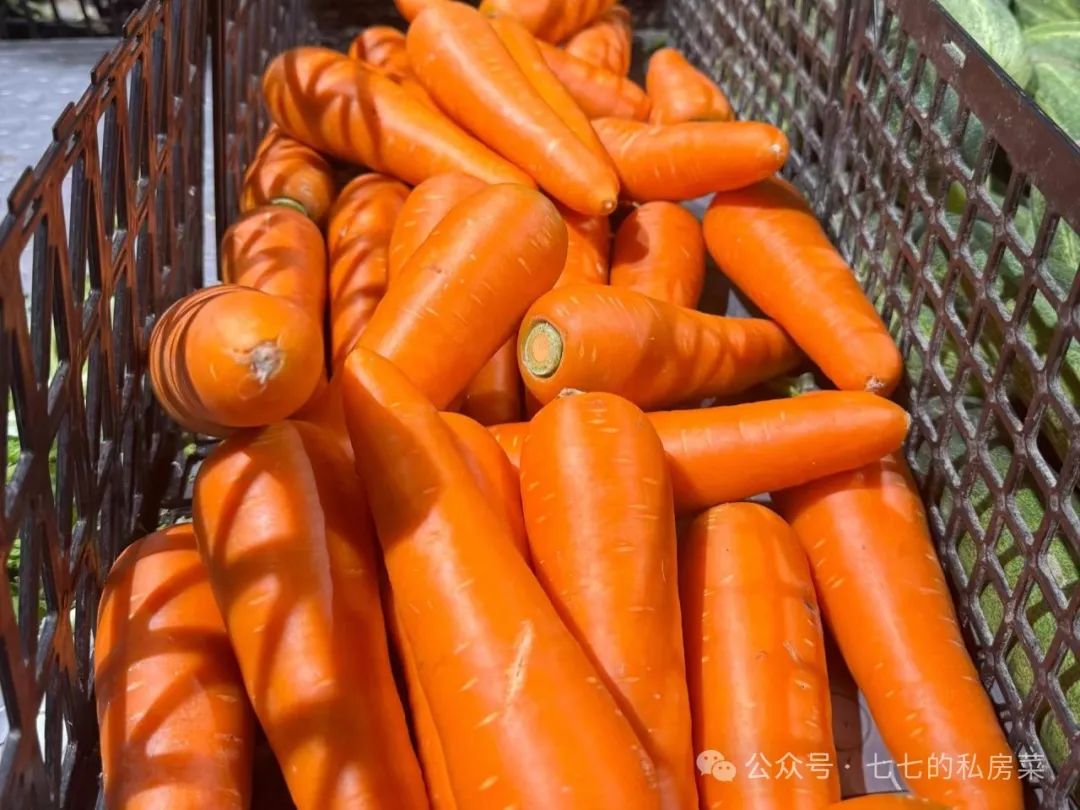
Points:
[(496, 664), (601, 528), (358, 240), (587, 250), (756, 662), (177, 730), (680, 92), (607, 42), (467, 288), (887, 801), (383, 47), (866, 536), (659, 252), (345, 109), (600, 93), (285, 171), (771, 246), (549, 20), (283, 528), (593, 338), (494, 395), (467, 69), (679, 162)]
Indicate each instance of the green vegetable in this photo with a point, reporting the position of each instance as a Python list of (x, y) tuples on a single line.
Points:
[(1054, 51), (1036, 12), (992, 25)]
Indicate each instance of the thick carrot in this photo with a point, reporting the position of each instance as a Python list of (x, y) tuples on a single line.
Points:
[(759, 690), (345, 109), (358, 239), (680, 92), (593, 338), (607, 42), (768, 242), (501, 673), (424, 208), (549, 20), (887, 801), (866, 535), (660, 252), (285, 171), (383, 47), (467, 287), (494, 394), (587, 249), (511, 438), (601, 527), (600, 93), (283, 527), (469, 72), (176, 727), (279, 251), (682, 161)]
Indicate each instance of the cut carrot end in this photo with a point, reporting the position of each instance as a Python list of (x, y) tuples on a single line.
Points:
[(607, 206), (265, 361), (289, 202), (542, 349)]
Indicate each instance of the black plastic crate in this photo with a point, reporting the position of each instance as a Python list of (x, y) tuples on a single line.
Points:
[(955, 199)]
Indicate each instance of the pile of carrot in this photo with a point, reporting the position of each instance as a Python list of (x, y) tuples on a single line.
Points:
[(503, 516)]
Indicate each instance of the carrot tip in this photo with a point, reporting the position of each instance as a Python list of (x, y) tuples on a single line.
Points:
[(289, 202), (608, 206), (542, 349)]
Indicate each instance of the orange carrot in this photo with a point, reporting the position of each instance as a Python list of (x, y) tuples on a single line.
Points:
[(607, 42), (768, 242), (283, 527), (593, 338), (469, 72), (176, 727), (467, 287), (680, 92), (286, 172), (587, 249), (549, 20), (497, 667), (601, 528), (600, 93), (410, 9), (382, 47), (759, 690), (511, 437), (866, 535), (494, 394), (683, 161), (345, 109), (887, 801), (660, 252)]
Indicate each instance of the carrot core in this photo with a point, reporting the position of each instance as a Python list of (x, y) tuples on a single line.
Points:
[(542, 349), (289, 202), (265, 361)]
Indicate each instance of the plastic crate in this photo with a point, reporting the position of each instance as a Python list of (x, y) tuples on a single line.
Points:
[(891, 111)]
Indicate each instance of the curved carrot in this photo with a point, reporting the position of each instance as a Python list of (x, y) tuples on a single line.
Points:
[(468, 71), (599, 92), (768, 242), (601, 528), (383, 47), (683, 161), (282, 526), (607, 42), (286, 172), (496, 664), (345, 109), (279, 251), (866, 535), (887, 801), (587, 249), (759, 690), (549, 20), (424, 208), (467, 287), (177, 730), (680, 92), (494, 394), (659, 252), (593, 338)]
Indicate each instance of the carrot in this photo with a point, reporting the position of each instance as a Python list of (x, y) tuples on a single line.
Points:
[(230, 357), (167, 684), (659, 252), (607, 42), (866, 535), (549, 20), (344, 109), (279, 251), (683, 161), (601, 528), (283, 527), (410, 9), (759, 690), (599, 92), (424, 208), (680, 92), (383, 47), (358, 238), (498, 668), (587, 249), (467, 287), (593, 338), (768, 242), (286, 172), (468, 71), (887, 801), (511, 437), (494, 394)]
